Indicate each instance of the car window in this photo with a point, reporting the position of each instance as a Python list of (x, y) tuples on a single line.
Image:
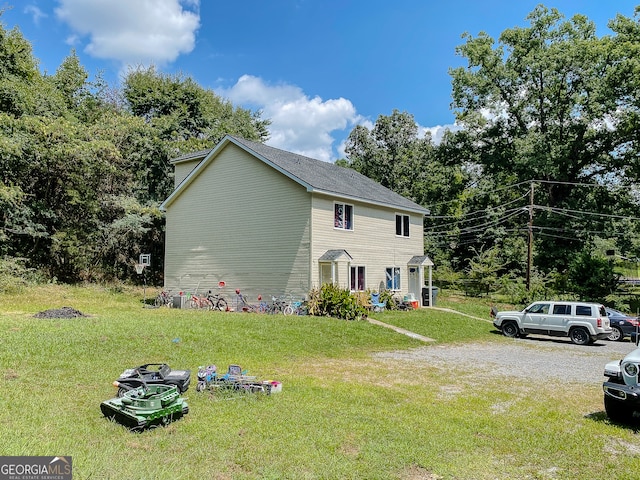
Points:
[(603, 312), (559, 309), (585, 310), (539, 308)]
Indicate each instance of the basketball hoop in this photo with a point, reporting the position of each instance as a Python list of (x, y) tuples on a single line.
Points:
[(139, 268)]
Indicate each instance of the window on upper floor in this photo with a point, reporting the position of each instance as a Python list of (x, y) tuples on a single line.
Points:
[(393, 278), (357, 279), (402, 225), (343, 216)]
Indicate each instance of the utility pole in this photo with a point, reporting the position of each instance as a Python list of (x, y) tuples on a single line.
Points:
[(530, 243)]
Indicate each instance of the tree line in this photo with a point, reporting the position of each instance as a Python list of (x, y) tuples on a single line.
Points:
[(544, 156), (550, 109), (84, 166)]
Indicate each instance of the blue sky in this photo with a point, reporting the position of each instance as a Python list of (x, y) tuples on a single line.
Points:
[(316, 68)]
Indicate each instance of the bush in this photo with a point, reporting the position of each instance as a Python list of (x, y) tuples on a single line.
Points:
[(386, 297), (333, 301), (515, 289), (15, 276), (592, 278)]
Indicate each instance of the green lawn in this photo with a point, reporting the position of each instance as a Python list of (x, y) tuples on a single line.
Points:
[(342, 413)]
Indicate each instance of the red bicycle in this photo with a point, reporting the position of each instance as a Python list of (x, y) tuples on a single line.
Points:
[(164, 299), (200, 302)]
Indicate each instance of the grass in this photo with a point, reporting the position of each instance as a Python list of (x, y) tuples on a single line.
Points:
[(343, 413)]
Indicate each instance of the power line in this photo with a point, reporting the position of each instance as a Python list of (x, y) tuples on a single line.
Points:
[(473, 194), (575, 184), (514, 185), (476, 228), (559, 211), (488, 216), (606, 215), (477, 211)]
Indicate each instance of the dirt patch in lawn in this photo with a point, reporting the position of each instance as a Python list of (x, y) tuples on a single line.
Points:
[(64, 312)]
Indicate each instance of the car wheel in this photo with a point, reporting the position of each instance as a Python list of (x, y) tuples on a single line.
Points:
[(510, 329), (616, 335), (617, 411), (580, 336)]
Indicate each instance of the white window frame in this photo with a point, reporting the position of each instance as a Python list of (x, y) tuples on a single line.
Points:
[(405, 225), (345, 207), (353, 278), (393, 278)]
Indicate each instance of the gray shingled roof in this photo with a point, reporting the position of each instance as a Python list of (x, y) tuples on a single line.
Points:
[(191, 155), (420, 260), (329, 177), (315, 175), (333, 255)]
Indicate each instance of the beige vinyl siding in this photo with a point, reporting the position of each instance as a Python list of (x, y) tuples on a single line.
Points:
[(183, 168), (372, 243), (241, 222)]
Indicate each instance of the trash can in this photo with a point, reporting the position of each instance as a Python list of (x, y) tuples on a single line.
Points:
[(425, 295), (179, 301)]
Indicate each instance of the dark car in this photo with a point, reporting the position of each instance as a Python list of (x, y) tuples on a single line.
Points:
[(623, 325)]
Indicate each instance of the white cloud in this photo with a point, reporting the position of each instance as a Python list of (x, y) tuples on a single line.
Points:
[(300, 124), (35, 12), (437, 132), (138, 32)]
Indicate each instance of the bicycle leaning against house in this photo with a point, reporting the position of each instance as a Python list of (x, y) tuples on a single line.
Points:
[(164, 299), (217, 301)]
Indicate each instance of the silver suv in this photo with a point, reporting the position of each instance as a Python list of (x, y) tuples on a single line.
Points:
[(582, 322)]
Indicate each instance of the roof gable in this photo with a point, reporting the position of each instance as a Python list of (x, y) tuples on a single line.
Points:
[(315, 175), (334, 256)]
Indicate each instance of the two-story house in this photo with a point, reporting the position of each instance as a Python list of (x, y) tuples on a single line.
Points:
[(270, 222)]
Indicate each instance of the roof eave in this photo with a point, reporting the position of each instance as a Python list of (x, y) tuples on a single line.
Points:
[(195, 172), (420, 210), (229, 139)]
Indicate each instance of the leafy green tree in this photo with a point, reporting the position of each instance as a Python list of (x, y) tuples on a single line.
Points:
[(394, 154), (592, 277), (84, 166), (483, 270), (185, 114), (70, 80), (623, 80), (539, 106)]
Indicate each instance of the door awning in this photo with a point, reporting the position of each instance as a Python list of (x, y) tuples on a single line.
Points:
[(335, 256), (420, 260)]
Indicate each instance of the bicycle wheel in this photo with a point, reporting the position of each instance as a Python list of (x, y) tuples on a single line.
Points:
[(288, 310), (194, 303), (207, 304), (222, 305), (159, 301)]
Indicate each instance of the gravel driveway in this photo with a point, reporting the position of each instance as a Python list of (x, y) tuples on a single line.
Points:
[(535, 358)]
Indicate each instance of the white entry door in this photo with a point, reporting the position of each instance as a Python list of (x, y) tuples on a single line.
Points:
[(415, 283)]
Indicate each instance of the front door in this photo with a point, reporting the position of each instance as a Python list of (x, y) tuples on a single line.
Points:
[(327, 273), (415, 284)]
